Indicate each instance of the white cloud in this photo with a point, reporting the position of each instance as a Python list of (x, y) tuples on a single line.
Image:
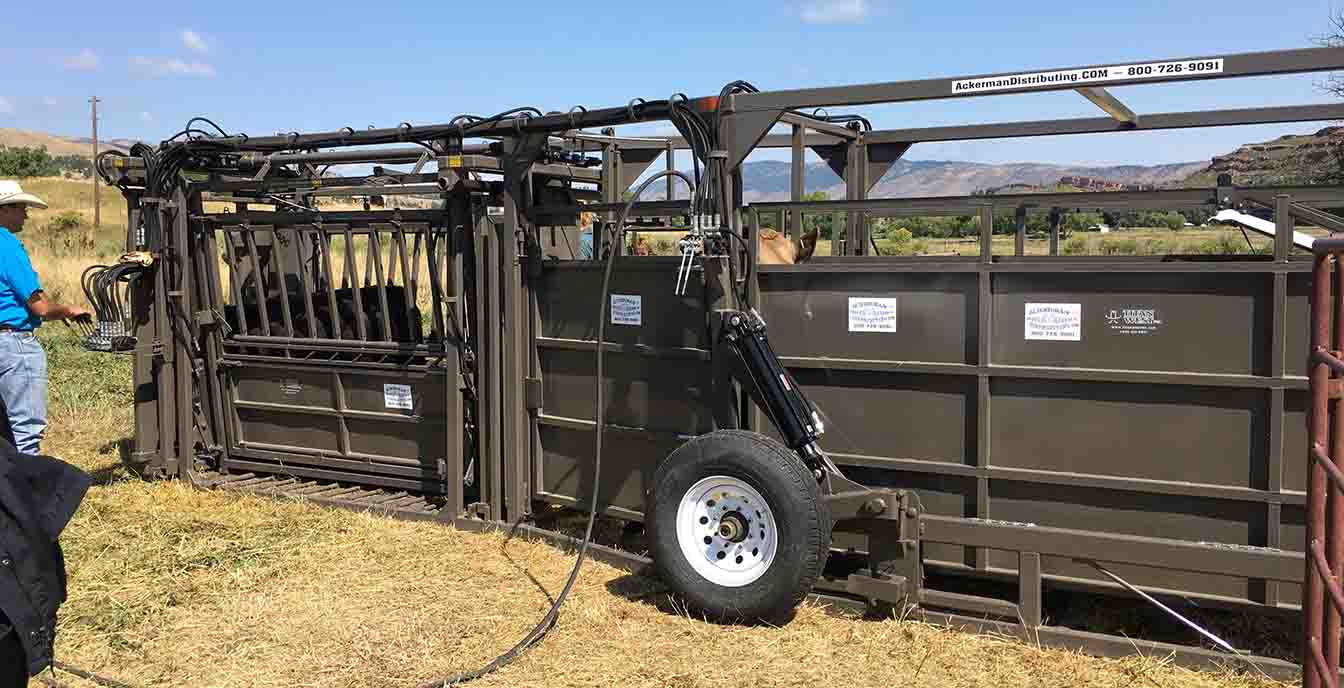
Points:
[(146, 117), (84, 61), (835, 11), (6, 106), (50, 102), (159, 66), (193, 40)]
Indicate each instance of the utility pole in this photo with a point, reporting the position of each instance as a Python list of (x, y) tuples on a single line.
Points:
[(97, 218)]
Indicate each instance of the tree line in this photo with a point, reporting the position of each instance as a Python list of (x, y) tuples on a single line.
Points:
[(18, 161)]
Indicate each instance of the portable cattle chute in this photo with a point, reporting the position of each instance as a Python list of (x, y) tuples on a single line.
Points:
[(956, 437)]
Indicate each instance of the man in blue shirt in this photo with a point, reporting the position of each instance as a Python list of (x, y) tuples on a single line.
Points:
[(23, 307)]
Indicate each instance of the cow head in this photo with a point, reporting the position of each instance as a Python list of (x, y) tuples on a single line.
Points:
[(773, 248)]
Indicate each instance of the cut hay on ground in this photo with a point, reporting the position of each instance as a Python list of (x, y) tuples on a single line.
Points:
[(175, 587)]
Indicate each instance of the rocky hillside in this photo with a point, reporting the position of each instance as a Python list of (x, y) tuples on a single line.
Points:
[(1296, 159)]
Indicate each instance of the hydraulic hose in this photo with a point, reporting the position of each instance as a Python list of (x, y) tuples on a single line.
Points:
[(599, 414)]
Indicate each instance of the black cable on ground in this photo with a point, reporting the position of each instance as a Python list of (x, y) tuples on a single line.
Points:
[(548, 621)]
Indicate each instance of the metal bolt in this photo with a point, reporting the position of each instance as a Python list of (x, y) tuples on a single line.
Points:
[(911, 512), (4, 562)]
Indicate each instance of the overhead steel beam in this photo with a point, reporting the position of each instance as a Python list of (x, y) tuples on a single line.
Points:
[(819, 125), (1109, 104), (1098, 125), (1002, 83)]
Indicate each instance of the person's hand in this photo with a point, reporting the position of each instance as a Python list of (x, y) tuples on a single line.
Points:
[(82, 316)]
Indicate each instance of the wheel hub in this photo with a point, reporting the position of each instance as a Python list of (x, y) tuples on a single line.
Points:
[(726, 531), (733, 527)]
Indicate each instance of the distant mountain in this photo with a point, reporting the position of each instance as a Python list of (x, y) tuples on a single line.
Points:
[(58, 145), (770, 179)]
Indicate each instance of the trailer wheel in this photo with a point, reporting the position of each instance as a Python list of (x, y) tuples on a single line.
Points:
[(737, 526)]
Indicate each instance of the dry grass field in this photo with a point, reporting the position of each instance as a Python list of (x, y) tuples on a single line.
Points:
[(175, 587)]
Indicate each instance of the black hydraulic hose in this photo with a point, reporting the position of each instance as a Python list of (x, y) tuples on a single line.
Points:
[(548, 621)]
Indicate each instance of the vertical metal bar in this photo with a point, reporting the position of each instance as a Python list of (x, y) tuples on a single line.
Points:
[(855, 240), (984, 399), (334, 314), (258, 281), (215, 343), (1029, 588), (1274, 484), (234, 285), (369, 261), (611, 193), (183, 360), (305, 283), (435, 283), (420, 237), (797, 169), (986, 234), (376, 257), (1334, 509), (1318, 423), (455, 385), (279, 254), (1020, 235), (1056, 219), (1283, 228), (412, 294), (353, 278), (671, 155)]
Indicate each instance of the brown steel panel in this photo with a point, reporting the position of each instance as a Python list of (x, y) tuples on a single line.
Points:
[(808, 314), (927, 417), (1194, 323), (565, 297), (292, 387), (370, 393), (424, 442), (1113, 511), (295, 430), (1297, 327), (629, 459), (1205, 435), (642, 391), (1295, 442)]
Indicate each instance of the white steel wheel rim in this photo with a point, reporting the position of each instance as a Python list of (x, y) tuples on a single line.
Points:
[(736, 557)]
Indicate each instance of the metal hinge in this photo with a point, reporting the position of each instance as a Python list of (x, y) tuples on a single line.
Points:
[(532, 393)]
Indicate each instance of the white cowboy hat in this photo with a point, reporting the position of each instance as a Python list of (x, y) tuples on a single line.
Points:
[(11, 193)]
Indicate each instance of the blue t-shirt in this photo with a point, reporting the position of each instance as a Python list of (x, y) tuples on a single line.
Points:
[(18, 283), (586, 245)]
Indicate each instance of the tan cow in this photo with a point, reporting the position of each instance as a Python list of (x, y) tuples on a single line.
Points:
[(774, 248)]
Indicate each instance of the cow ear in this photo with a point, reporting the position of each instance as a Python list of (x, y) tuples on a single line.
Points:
[(807, 245)]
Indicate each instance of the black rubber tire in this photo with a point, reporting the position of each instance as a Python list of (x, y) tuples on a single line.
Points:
[(803, 525)]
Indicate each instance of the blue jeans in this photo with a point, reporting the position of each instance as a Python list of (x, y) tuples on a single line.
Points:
[(23, 388)]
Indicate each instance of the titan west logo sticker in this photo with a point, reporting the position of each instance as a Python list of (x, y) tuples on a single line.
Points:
[(1133, 320)]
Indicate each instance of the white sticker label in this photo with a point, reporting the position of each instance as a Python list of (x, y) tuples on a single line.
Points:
[(398, 397), (1090, 75), (494, 210), (1141, 320), (1058, 322), (291, 387), (872, 315), (626, 309)]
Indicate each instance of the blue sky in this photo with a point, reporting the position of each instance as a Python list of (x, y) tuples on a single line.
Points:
[(264, 67)]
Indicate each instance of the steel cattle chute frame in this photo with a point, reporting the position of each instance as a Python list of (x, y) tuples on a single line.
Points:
[(435, 362)]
